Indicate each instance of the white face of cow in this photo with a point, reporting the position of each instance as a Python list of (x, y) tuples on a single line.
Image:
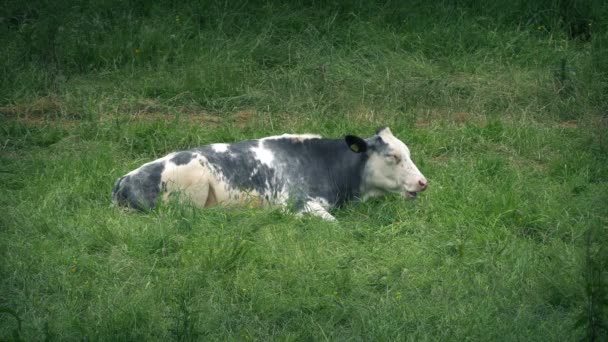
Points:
[(389, 167)]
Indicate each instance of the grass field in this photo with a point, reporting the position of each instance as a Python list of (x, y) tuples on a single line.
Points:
[(504, 107)]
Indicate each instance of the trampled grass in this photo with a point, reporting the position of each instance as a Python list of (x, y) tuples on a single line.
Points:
[(503, 107)]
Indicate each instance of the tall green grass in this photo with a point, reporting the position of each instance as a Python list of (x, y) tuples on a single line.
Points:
[(503, 106)]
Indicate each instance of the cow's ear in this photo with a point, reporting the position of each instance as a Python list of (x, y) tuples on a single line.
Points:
[(384, 129), (356, 144)]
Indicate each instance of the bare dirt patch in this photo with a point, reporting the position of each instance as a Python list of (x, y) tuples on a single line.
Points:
[(568, 124), (39, 107), (39, 112), (51, 110), (244, 118), (152, 110), (433, 116)]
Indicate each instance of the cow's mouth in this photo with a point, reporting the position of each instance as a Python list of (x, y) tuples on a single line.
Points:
[(411, 194)]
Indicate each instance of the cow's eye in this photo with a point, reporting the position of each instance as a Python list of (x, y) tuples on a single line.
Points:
[(394, 157)]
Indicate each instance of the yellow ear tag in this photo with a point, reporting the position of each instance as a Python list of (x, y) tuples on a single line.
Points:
[(354, 147)]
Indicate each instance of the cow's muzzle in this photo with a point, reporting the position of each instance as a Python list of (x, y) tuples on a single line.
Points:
[(422, 185)]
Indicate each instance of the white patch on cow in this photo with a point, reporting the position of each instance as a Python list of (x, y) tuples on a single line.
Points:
[(191, 181), (200, 183), (294, 137), (220, 148), (263, 155)]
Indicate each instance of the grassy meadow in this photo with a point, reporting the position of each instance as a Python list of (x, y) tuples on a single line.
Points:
[(503, 104)]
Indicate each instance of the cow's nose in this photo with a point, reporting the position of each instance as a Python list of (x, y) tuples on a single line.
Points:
[(423, 183)]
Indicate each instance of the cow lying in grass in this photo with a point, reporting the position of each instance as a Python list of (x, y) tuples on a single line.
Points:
[(310, 173)]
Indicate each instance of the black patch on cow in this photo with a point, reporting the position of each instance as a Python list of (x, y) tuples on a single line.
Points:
[(308, 168), (140, 190), (322, 168), (115, 191), (182, 158), (121, 192), (239, 167)]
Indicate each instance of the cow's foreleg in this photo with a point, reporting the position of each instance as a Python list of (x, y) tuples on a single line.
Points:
[(317, 209)]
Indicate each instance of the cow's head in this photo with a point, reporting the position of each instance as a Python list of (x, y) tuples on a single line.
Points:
[(389, 167)]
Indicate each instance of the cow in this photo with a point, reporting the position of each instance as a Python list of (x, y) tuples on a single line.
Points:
[(303, 172)]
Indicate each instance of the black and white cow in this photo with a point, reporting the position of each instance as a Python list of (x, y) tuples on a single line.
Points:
[(310, 173)]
